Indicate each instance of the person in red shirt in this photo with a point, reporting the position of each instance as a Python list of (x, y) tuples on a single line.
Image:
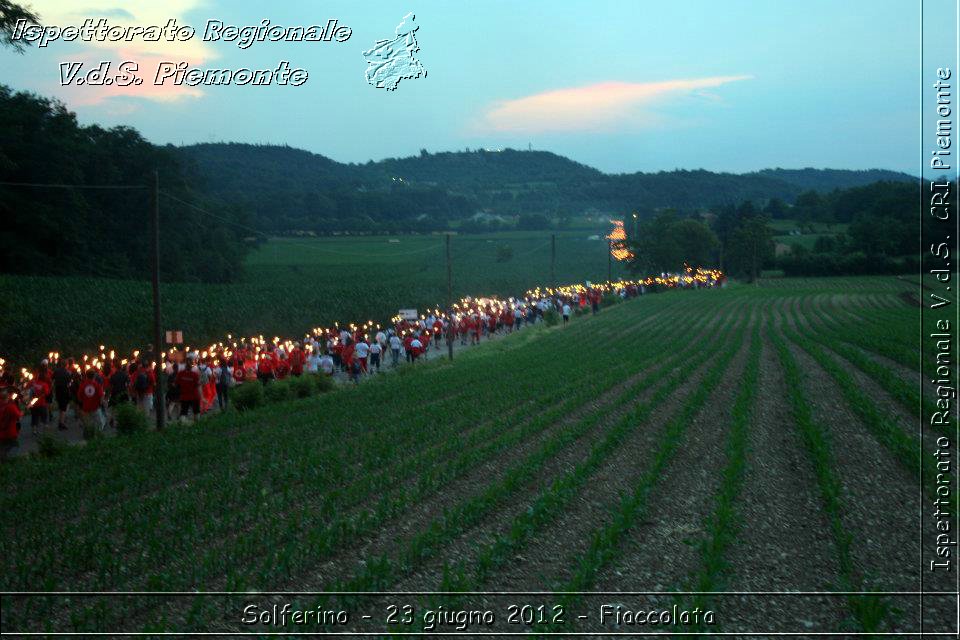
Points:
[(407, 349), (297, 358), (477, 326), (39, 390), (9, 421), (346, 356), (238, 366), (281, 367), (425, 337), (90, 397), (143, 386), (188, 382), (508, 320), (265, 369)]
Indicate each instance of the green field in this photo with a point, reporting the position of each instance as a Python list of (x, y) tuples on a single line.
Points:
[(757, 438), (289, 286), (783, 229)]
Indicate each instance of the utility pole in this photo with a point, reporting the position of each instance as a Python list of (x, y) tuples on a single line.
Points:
[(449, 301), (161, 406), (609, 260), (553, 261)]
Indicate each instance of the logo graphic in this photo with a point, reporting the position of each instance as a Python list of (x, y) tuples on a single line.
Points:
[(390, 61)]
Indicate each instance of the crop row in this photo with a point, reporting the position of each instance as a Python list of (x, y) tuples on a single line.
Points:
[(188, 545), (904, 447), (869, 612), (606, 540), (150, 508), (380, 572), (724, 522), (900, 390)]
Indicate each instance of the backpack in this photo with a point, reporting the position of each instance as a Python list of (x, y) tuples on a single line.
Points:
[(142, 382)]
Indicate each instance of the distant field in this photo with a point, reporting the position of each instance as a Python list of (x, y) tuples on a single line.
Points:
[(289, 286), (758, 438), (806, 239)]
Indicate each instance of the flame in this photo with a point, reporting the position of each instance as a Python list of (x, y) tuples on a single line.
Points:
[(618, 242)]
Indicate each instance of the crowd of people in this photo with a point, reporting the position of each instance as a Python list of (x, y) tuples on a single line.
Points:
[(196, 382)]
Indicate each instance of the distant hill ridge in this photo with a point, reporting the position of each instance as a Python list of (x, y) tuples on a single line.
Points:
[(286, 187)]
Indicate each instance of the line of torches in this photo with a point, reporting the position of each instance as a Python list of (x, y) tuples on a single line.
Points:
[(467, 306)]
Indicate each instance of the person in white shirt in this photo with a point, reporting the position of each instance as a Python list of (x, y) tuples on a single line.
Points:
[(326, 364), (395, 344), (313, 362), (360, 352), (375, 351), (416, 348), (566, 313)]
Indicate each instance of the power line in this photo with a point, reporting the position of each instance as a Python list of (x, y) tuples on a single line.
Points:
[(71, 186), (213, 215)]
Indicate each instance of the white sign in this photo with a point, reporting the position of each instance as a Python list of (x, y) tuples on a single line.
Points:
[(174, 337), (408, 314)]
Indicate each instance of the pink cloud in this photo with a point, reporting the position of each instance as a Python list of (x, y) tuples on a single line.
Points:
[(87, 95), (595, 107)]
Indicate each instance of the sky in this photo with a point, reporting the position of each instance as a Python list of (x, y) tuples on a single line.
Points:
[(621, 86)]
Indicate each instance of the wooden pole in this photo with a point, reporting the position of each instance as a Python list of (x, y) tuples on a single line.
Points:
[(553, 261), (609, 260), (161, 407), (449, 301)]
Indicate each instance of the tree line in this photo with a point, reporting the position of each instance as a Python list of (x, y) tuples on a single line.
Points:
[(66, 230), (880, 236)]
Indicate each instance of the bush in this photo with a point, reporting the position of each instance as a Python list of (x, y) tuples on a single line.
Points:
[(609, 299), (551, 318), (304, 386), (49, 446), (248, 395), (129, 419), (278, 391), (323, 382)]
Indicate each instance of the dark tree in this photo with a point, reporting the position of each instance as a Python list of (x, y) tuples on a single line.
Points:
[(10, 13)]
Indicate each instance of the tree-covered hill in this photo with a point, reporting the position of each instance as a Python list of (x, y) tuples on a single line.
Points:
[(56, 223), (830, 179), (289, 189)]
